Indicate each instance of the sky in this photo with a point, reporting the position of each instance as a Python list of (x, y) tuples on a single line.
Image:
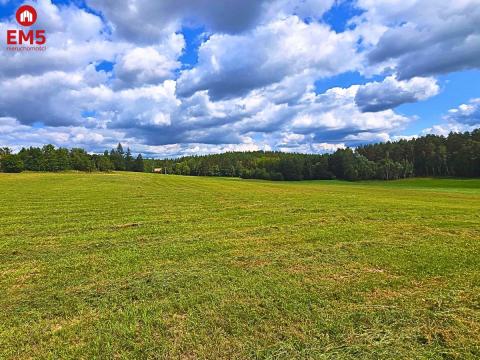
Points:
[(179, 77)]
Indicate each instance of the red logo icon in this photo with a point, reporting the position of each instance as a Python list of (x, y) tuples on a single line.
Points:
[(26, 15), (23, 39)]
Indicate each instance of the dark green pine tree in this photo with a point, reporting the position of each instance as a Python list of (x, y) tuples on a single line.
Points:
[(117, 158), (129, 163), (138, 164)]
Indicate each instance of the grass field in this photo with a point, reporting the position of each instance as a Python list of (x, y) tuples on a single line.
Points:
[(147, 266)]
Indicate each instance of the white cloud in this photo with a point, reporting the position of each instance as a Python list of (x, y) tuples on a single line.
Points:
[(465, 117), (390, 93), (335, 115), (145, 21), (468, 114), (233, 65), (422, 37), (75, 39), (151, 64), (48, 98), (16, 136)]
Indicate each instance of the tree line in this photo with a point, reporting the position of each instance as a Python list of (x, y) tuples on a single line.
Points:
[(457, 154), (51, 159)]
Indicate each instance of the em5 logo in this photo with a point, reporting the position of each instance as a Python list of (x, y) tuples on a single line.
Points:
[(26, 16)]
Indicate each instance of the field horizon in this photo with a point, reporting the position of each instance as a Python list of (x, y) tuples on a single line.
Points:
[(138, 265)]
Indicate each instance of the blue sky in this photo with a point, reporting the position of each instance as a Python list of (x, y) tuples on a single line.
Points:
[(171, 78), (457, 88)]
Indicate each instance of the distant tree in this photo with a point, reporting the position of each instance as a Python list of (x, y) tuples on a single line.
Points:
[(320, 170), (103, 163), (341, 163), (149, 165), (138, 164), (246, 173), (386, 169), (228, 171), (120, 149), (117, 158), (33, 159), (81, 161), (129, 162), (407, 169), (213, 170), (291, 168), (364, 168), (11, 164), (182, 168), (458, 154), (62, 156), (4, 151), (261, 173), (49, 158)]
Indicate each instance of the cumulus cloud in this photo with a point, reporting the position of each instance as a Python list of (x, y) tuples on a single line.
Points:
[(59, 98), (151, 64), (75, 39), (468, 114), (424, 37), (147, 20), (390, 93), (232, 65), (17, 135), (48, 98), (465, 117), (335, 116)]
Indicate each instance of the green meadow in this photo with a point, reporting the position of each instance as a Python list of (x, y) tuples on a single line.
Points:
[(144, 266)]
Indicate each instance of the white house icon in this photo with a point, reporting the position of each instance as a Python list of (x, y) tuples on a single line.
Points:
[(26, 16)]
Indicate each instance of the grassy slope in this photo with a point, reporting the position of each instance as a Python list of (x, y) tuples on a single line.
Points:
[(148, 266)]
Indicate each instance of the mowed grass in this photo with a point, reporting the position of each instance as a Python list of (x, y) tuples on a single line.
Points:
[(143, 266)]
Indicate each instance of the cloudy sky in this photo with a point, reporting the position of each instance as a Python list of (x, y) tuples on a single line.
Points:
[(176, 77)]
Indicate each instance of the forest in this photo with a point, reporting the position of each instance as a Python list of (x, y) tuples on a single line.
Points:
[(51, 159), (455, 155)]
